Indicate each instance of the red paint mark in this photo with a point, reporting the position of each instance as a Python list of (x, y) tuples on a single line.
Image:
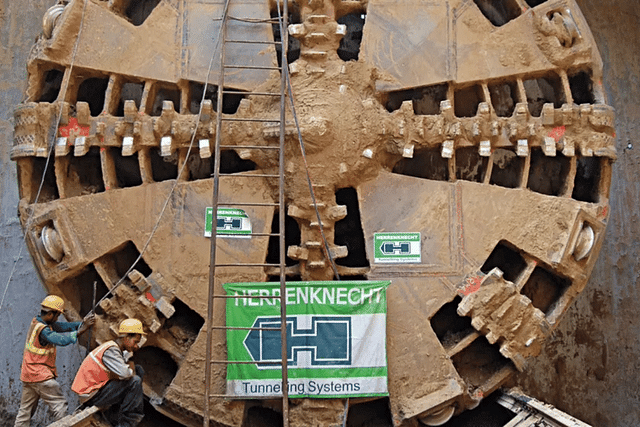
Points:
[(614, 134), (150, 297), (557, 133), (73, 129), (605, 210), (102, 149), (107, 187), (471, 285)]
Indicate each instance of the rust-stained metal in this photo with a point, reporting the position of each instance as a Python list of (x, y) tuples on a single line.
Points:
[(481, 124)]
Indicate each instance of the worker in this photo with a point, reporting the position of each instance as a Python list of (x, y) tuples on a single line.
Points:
[(39, 359), (109, 380)]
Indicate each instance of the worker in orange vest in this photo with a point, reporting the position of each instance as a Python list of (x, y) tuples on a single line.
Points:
[(109, 380), (39, 359)]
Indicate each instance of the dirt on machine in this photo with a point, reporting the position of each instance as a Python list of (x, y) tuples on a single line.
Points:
[(459, 150)]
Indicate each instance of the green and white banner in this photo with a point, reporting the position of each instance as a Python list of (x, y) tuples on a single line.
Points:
[(336, 339), (229, 223)]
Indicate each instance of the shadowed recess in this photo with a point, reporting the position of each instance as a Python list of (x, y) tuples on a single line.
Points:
[(291, 238), (51, 84), (348, 231), (545, 288), (470, 165), (507, 168), (467, 100), (130, 91), (544, 90), (587, 185), (449, 326), (548, 175), (92, 91), (350, 44), (160, 369), (426, 163), (499, 12), (507, 259)]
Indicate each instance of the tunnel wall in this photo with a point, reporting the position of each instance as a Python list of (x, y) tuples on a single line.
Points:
[(589, 366)]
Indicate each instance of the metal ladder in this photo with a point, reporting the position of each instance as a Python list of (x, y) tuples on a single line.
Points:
[(280, 205)]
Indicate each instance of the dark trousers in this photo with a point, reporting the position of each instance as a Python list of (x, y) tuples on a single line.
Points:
[(121, 400)]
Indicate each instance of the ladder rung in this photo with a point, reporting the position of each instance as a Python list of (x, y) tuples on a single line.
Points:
[(251, 67), (250, 147), (243, 362), (248, 204), (270, 21), (247, 296), (228, 119), (233, 396), (263, 235), (238, 328), (258, 175), (253, 42), (236, 92), (247, 264)]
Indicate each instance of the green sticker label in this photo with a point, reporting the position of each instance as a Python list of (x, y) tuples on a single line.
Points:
[(397, 248), (229, 223)]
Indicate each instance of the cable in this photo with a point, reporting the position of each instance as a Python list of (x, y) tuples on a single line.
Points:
[(325, 246), (175, 184), (254, 20), (155, 228), (204, 92), (51, 148)]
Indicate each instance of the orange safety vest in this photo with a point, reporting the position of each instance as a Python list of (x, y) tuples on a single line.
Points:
[(92, 374), (38, 362)]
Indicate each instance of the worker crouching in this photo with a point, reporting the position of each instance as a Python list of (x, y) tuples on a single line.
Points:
[(108, 380)]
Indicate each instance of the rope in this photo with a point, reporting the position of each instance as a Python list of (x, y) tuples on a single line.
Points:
[(325, 245), (51, 148), (166, 203), (175, 184), (157, 224)]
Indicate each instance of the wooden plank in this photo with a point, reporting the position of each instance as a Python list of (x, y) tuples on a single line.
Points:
[(85, 418), (520, 418)]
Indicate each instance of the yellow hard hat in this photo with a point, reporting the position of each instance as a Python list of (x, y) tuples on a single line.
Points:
[(131, 326), (53, 302)]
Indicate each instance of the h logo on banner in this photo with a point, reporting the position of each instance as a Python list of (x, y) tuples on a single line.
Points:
[(326, 341)]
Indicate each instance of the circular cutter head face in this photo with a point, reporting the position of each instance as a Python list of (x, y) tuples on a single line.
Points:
[(460, 149)]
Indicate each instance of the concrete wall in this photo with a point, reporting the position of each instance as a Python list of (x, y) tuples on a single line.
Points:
[(590, 365)]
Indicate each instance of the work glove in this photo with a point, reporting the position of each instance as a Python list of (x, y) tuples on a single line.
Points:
[(88, 321)]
